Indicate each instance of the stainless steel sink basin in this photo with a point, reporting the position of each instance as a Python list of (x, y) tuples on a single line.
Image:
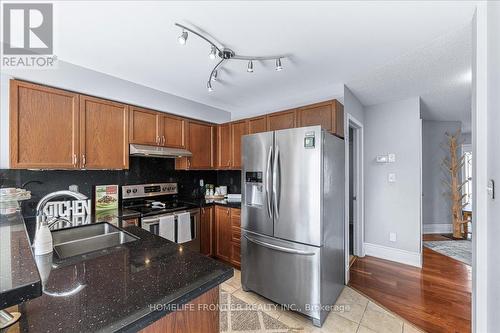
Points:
[(93, 237)]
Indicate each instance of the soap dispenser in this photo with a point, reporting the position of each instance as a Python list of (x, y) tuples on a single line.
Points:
[(43, 239)]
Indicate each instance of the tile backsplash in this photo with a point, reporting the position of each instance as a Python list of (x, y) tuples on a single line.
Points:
[(141, 170)]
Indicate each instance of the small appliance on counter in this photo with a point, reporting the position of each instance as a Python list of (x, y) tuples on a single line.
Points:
[(10, 197), (162, 214)]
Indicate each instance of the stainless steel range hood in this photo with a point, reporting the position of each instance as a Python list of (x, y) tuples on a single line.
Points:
[(155, 151)]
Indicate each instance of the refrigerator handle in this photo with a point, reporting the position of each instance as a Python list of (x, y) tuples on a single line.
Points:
[(268, 176), (278, 248), (275, 182)]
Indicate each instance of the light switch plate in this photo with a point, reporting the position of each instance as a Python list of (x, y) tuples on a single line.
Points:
[(381, 158), (392, 158), (392, 237), (391, 177), (202, 183)]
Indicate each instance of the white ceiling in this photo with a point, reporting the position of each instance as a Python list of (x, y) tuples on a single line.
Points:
[(330, 43)]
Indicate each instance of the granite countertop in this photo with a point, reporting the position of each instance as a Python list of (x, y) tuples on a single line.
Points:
[(204, 202), (118, 289), (19, 278)]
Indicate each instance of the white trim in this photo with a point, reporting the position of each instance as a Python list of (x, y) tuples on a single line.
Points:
[(479, 169), (438, 228), (393, 254), (359, 214)]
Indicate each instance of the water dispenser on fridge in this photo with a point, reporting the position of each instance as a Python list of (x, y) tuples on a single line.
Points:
[(254, 189)]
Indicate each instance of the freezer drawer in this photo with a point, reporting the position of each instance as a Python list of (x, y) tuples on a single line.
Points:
[(284, 272)]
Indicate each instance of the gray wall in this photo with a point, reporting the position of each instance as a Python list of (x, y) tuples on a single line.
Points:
[(493, 164), (353, 106), (435, 205), (393, 207), (86, 81)]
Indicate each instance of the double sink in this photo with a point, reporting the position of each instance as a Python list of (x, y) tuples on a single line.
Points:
[(89, 238)]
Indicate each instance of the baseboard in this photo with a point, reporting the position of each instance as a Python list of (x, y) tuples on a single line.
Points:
[(393, 254), (439, 228)]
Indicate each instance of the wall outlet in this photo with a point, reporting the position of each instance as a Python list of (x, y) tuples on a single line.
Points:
[(73, 188), (391, 177), (202, 183), (392, 236), (391, 158)]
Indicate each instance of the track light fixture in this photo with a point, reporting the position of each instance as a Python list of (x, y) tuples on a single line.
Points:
[(278, 65), (217, 50), (183, 37), (250, 67)]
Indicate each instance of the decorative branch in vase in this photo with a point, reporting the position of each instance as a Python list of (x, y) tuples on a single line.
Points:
[(453, 165)]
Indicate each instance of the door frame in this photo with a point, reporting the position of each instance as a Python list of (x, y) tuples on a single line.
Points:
[(359, 221)]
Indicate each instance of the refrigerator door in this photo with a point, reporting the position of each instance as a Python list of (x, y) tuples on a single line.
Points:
[(297, 185), (285, 272), (256, 200)]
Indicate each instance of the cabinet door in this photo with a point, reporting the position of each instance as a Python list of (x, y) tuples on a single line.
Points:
[(44, 127), (339, 119), (223, 233), (224, 146), (257, 125), (238, 129), (236, 254), (201, 145), (317, 114), (207, 230), (282, 120), (144, 126), (174, 131), (103, 134)]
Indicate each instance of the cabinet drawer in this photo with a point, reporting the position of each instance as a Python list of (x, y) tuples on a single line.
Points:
[(235, 217), (236, 235)]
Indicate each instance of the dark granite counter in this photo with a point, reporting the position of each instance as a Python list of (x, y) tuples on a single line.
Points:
[(19, 278), (119, 289), (204, 203)]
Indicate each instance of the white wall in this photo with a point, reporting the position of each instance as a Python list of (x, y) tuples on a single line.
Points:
[(493, 151), (393, 207), (86, 81), (353, 106), (436, 206)]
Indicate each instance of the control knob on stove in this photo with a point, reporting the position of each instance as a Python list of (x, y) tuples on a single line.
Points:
[(164, 188), (134, 190)]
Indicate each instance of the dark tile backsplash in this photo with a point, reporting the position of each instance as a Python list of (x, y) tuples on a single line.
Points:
[(142, 170)]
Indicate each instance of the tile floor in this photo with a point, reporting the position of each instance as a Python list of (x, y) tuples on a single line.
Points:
[(360, 315)]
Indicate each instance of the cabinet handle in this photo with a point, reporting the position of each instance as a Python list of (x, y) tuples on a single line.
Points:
[(189, 163), (228, 211), (163, 137), (75, 160), (157, 140), (84, 160)]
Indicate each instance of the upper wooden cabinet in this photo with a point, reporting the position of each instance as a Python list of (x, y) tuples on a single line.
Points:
[(282, 120), (103, 134), (201, 145), (329, 114), (144, 126), (257, 125), (173, 132), (238, 129), (44, 127), (224, 146)]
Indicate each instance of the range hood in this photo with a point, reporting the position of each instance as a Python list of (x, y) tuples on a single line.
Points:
[(155, 151)]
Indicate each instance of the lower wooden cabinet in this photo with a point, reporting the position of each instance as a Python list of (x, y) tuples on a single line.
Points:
[(228, 233), (207, 230)]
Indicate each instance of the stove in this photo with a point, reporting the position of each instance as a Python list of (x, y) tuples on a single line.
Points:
[(154, 201)]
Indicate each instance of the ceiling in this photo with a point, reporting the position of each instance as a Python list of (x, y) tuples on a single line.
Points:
[(329, 43)]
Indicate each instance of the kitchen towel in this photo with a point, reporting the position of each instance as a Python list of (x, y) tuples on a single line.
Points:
[(184, 227), (167, 227)]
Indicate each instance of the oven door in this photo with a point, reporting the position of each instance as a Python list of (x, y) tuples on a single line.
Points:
[(151, 224)]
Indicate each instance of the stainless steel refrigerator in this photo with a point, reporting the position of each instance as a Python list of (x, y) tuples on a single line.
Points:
[(292, 243)]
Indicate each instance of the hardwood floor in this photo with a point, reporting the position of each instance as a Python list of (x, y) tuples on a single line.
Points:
[(436, 298), (437, 237)]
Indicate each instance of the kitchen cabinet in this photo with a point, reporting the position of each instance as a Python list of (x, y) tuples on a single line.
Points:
[(223, 233), (238, 129), (330, 115), (224, 146), (144, 126), (173, 131), (282, 120), (257, 125), (44, 127), (103, 134), (207, 230), (201, 145)]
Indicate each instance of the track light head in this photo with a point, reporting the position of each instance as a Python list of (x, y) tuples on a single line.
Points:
[(278, 65), (183, 37), (250, 67), (213, 53), (209, 86), (214, 76)]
